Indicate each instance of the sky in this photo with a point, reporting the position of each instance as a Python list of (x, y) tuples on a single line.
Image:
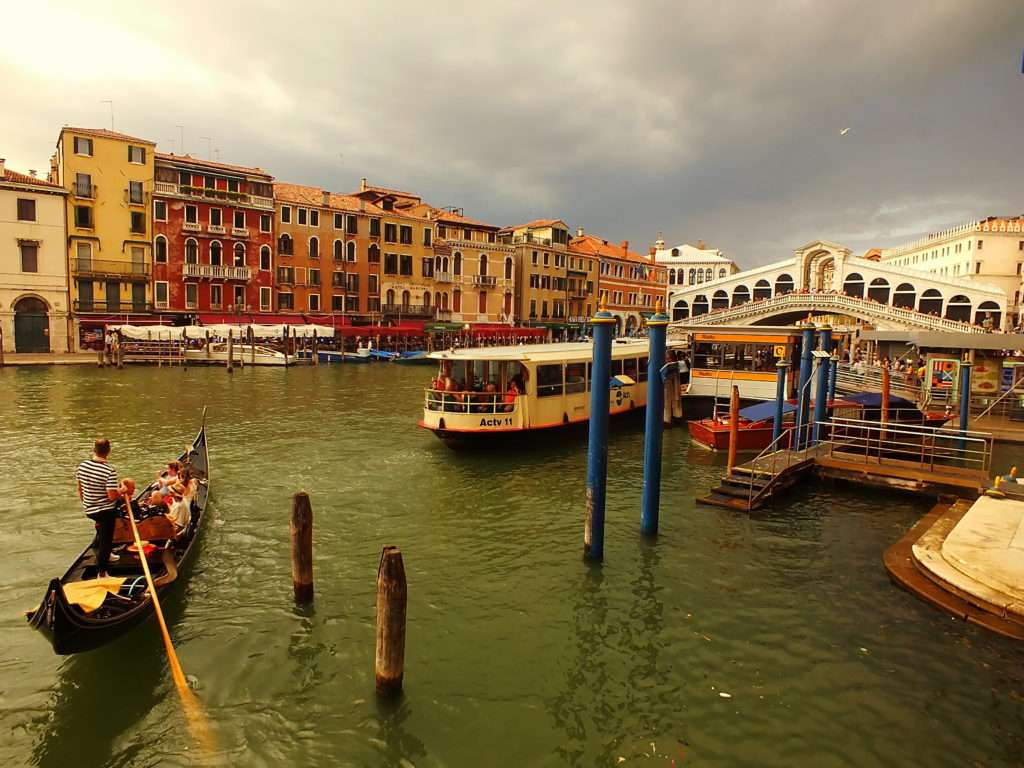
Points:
[(718, 121)]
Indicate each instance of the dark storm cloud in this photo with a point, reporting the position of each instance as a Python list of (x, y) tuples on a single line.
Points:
[(718, 121)]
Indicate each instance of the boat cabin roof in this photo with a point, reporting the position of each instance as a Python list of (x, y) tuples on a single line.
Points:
[(544, 353)]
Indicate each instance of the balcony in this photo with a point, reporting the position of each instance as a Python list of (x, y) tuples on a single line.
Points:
[(408, 310), (217, 229), (443, 277), (216, 272), (443, 314), (239, 232), (205, 193), (191, 226), (85, 191), (485, 280), (125, 270), (114, 307)]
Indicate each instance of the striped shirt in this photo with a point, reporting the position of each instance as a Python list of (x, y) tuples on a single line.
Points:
[(96, 478)]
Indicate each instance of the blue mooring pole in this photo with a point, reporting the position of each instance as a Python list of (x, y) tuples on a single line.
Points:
[(833, 374), (650, 497), (821, 396), (965, 401), (803, 393), (781, 369), (603, 324)]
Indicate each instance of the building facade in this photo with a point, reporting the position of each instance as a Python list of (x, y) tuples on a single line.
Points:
[(630, 284), (109, 180), (988, 251), (34, 306), (213, 237), (328, 260), (688, 265)]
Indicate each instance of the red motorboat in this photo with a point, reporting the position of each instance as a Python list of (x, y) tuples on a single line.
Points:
[(756, 422)]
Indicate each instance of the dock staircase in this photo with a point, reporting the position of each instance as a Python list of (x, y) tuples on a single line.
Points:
[(750, 485)]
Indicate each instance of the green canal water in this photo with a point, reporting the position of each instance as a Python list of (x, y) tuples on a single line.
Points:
[(518, 653)]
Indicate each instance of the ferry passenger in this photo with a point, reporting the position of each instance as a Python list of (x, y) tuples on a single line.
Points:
[(510, 396)]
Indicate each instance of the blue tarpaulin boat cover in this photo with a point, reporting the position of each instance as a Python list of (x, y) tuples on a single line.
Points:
[(765, 410)]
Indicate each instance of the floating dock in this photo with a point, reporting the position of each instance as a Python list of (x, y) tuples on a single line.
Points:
[(967, 558)]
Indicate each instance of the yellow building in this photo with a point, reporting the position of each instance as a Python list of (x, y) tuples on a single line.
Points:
[(109, 179)]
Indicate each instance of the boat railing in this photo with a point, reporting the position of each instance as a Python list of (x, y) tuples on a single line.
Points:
[(471, 402), (854, 378), (928, 447)]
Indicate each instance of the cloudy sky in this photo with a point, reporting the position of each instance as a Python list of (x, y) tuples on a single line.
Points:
[(715, 120)]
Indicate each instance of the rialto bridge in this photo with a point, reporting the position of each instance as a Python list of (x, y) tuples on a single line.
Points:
[(825, 278)]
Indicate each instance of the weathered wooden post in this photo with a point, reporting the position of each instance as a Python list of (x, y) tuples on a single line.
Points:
[(252, 344), (603, 324), (734, 428), (230, 364), (241, 349), (316, 350), (392, 599), (302, 548), (120, 350), (101, 353), (207, 347), (781, 376), (650, 496), (285, 336)]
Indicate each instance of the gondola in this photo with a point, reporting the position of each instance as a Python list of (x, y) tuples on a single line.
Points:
[(69, 628)]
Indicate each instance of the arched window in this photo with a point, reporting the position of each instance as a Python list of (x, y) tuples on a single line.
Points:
[(905, 295), (426, 299), (265, 258), (720, 300), (314, 247), (853, 285), (671, 277), (988, 311), (350, 250), (160, 249), (959, 308), (675, 253), (707, 275), (437, 299), (507, 306), (373, 254), (930, 302), (457, 269), (456, 300), (740, 295), (783, 284), (239, 254), (680, 310), (191, 251), (508, 267), (338, 250), (216, 253), (444, 301), (762, 290), (700, 305), (483, 264), (437, 263), (444, 265), (691, 276), (389, 297), (700, 276), (284, 245), (405, 300), (879, 290), (721, 273), (482, 307)]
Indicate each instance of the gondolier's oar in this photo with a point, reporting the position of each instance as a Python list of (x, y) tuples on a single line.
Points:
[(193, 709)]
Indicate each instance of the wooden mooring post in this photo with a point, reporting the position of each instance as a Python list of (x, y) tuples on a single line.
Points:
[(302, 548), (230, 364), (734, 427), (392, 597), (120, 350), (1, 347)]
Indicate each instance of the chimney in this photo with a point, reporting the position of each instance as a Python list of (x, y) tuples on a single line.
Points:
[(700, 245), (652, 252), (579, 232), (362, 184), (625, 247), (327, 198), (362, 203)]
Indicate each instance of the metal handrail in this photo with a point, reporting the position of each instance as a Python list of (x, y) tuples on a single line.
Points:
[(1012, 390), (927, 446), (472, 402)]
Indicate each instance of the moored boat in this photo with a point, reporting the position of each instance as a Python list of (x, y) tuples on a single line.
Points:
[(242, 353), (493, 393), (79, 623)]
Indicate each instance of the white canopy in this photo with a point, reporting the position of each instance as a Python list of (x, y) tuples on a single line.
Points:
[(220, 331)]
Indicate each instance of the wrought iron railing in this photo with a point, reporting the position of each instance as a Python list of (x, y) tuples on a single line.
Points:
[(99, 267)]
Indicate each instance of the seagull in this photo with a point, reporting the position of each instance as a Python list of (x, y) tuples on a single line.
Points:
[(844, 131)]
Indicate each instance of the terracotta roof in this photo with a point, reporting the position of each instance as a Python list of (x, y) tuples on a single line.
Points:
[(447, 217), (387, 191), (874, 254), (596, 246), (103, 133), (314, 197), (195, 161), (13, 177)]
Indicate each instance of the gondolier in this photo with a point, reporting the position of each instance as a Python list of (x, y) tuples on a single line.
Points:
[(99, 492)]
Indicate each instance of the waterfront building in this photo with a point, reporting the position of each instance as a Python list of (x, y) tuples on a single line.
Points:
[(403, 244), (692, 264), (328, 250), (109, 180), (631, 284), (34, 307), (471, 261), (989, 251), (555, 289), (213, 237)]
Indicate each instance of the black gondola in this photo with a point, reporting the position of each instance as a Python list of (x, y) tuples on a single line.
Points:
[(72, 630)]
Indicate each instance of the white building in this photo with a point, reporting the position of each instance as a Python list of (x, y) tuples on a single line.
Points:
[(989, 251), (691, 265), (33, 264)]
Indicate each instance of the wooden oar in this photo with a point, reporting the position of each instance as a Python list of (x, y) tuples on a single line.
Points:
[(190, 703)]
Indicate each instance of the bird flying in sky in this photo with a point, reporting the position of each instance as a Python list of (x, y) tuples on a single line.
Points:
[(844, 131)]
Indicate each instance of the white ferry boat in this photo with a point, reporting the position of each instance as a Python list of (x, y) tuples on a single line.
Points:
[(489, 393), (242, 353)]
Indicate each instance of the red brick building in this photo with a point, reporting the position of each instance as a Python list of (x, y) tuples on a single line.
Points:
[(213, 240)]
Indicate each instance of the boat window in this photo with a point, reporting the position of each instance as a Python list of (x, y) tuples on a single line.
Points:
[(575, 374), (707, 355), (629, 368), (643, 369), (616, 369), (549, 380)]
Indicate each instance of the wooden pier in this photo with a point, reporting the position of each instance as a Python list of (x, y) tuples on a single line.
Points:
[(934, 461)]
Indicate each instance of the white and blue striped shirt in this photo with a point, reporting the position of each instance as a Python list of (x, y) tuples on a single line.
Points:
[(96, 478)]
